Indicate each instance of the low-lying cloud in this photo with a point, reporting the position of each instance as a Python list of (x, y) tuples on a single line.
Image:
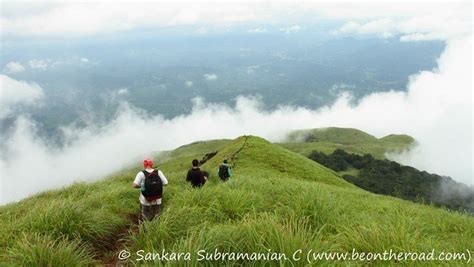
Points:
[(41, 64), (291, 29), (425, 27), (210, 76), (13, 67), (436, 110), (14, 93)]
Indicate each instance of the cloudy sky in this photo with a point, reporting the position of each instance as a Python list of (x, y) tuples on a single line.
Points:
[(414, 20), (436, 107)]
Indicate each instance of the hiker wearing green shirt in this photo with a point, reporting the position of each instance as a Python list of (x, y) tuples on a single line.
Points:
[(225, 171)]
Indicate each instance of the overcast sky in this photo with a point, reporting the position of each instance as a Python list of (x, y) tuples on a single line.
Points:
[(413, 20)]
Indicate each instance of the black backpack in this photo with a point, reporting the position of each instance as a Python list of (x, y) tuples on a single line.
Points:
[(153, 186), (224, 172)]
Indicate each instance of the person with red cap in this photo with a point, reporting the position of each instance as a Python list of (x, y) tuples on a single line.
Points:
[(151, 182)]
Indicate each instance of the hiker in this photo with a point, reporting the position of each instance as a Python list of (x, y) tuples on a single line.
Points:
[(195, 175), (225, 171), (151, 182)]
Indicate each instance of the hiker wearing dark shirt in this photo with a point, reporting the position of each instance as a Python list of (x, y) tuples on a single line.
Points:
[(195, 175), (224, 171)]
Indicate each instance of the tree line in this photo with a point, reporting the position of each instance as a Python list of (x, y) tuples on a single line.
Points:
[(391, 178)]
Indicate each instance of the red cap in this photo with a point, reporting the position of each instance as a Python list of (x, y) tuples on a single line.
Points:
[(147, 163)]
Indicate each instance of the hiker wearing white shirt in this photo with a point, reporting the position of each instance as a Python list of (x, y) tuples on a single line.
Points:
[(150, 182)]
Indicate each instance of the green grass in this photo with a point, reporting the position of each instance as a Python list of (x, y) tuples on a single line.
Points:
[(398, 139), (194, 149), (327, 140), (332, 135), (277, 200)]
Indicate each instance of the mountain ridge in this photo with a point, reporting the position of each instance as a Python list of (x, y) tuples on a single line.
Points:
[(329, 139)]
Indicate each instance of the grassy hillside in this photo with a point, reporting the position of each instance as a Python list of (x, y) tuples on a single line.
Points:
[(391, 178), (327, 140), (277, 201)]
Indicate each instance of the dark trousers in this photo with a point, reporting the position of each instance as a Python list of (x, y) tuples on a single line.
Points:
[(150, 212)]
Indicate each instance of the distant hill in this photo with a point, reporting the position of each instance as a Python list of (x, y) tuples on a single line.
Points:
[(391, 178), (277, 201), (359, 158), (398, 139), (351, 140)]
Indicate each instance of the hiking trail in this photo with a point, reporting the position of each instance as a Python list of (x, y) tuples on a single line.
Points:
[(119, 241)]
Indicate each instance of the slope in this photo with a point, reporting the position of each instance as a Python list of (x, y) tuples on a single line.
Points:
[(277, 201), (327, 140)]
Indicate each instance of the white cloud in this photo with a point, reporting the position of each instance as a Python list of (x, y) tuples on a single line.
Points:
[(431, 19), (338, 88), (252, 69), (188, 83), (13, 93), (257, 30), (436, 110), (41, 64), (382, 27), (122, 91), (443, 23), (85, 18), (291, 29), (44, 64), (283, 56), (210, 76), (14, 67)]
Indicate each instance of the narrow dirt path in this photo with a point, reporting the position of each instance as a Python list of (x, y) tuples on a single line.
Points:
[(108, 255)]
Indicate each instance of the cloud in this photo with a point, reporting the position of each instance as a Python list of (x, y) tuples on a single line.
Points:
[(291, 29), (414, 19), (436, 109), (338, 88), (257, 30), (210, 76), (90, 18), (188, 83), (14, 93), (382, 27), (45, 64), (13, 67), (122, 91), (41, 64), (420, 27)]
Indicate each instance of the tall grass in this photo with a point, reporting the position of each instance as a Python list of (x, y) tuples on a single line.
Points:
[(277, 201), (44, 250)]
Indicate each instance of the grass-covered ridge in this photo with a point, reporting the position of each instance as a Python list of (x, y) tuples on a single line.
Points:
[(277, 200), (327, 140)]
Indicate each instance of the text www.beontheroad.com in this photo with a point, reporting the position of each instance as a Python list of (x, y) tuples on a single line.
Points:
[(388, 255)]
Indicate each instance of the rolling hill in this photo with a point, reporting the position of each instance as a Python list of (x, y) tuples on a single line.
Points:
[(327, 140), (277, 201)]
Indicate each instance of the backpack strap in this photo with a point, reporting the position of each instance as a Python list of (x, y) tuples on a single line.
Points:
[(148, 174)]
